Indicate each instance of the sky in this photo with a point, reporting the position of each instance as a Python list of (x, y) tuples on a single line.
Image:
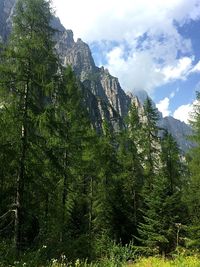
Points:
[(149, 45)]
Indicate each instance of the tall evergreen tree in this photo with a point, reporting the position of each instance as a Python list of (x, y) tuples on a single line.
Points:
[(30, 66), (164, 207), (192, 188), (151, 146), (107, 173), (132, 176)]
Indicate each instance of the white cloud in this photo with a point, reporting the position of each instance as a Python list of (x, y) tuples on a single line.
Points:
[(147, 43), (97, 20), (179, 71), (138, 71), (163, 106), (183, 113), (196, 68)]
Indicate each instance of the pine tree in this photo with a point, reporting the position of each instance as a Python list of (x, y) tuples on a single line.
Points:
[(74, 139), (51, 130), (172, 164), (164, 207), (132, 176), (151, 146), (150, 152), (107, 167), (29, 68)]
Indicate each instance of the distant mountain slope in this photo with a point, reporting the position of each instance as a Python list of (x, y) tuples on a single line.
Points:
[(179, 130), (104, 96)]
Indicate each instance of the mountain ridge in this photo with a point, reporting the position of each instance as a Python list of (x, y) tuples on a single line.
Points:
[(104, 96), (102, 84)]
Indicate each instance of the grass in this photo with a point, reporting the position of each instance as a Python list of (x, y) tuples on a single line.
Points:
[(180, 261), (117, 256)]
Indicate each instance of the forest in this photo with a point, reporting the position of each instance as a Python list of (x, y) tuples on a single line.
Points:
[(68, 192)]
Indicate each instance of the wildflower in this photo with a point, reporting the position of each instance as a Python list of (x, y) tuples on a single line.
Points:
[(54, 261), (63, 257)]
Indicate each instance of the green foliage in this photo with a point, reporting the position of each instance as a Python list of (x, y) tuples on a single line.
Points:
[(131, 176), (192, 188), (164, 207), (180, 261), (68, 193), (150, 144)]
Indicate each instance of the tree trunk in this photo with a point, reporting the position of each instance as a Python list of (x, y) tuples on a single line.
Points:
[(21, 175), (64, 196), (91, 205), (135, 207)]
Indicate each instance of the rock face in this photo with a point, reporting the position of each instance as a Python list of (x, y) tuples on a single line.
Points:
[(113, 102), (6, 11), (98, 80), (76, 54), (103, 95), (179, 130)]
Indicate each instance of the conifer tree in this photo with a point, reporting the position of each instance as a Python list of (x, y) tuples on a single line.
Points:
[(151, 146), (132, 176), (51, 131), (108, 174), (164, 207), (192, 188), (30, 66), (74, 132)]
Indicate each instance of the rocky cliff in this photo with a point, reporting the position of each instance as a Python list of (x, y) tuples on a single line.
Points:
[(6, 12), (179, 130), (98, 80), (107, 89), (104, 97)]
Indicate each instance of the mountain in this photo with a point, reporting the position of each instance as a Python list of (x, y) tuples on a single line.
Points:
[(103, 95), (107, 88), (98, 80), (179, 130), (111, 102), (6, 12)]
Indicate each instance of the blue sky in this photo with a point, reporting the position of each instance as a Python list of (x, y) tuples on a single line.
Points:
[(150, 45)]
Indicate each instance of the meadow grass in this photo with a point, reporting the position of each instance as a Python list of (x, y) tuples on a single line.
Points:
[(180, 261)]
